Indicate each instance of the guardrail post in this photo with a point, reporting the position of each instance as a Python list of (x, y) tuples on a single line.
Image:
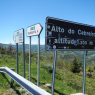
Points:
[(12, 81)]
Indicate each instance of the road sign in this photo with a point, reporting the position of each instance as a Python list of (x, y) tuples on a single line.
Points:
[(34, 30), (18, 36), (67, 35)]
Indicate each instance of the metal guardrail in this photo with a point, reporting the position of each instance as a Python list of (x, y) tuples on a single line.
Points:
[(32, 88)]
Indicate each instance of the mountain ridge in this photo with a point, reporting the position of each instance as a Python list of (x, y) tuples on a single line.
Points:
[(64, 55)]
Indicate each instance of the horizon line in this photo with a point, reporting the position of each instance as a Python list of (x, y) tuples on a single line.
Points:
[(21, 43)]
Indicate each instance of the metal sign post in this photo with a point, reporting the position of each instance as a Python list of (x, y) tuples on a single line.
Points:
[(30, 60), (23, 56), (53, 74), (84, 72), (34, 30), (17, 56), (19, 38), (38, 69)]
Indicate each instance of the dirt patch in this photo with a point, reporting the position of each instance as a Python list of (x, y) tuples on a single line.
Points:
[(10, 91)]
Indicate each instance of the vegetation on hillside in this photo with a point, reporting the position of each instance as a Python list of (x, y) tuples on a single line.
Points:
[(68, 77)]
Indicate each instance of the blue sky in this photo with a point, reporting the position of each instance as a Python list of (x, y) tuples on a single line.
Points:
[(17, 14)]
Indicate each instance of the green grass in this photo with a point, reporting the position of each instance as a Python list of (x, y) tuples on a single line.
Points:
[(66, 82)]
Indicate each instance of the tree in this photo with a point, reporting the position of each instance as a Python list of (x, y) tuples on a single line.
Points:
[(2, 50), (10, 48), (76, 65)]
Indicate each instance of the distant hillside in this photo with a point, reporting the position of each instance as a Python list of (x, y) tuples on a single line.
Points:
[(64, 55), (34, 48)]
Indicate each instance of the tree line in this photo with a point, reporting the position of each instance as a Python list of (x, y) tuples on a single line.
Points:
[(8, 50)]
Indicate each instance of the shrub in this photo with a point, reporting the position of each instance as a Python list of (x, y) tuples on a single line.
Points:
[(58, 75), (76, 65), (87, 69), (90, 69), (19, 53), (62, 64), (48, 67), (27, 56), (89, 74), (94, 67)]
